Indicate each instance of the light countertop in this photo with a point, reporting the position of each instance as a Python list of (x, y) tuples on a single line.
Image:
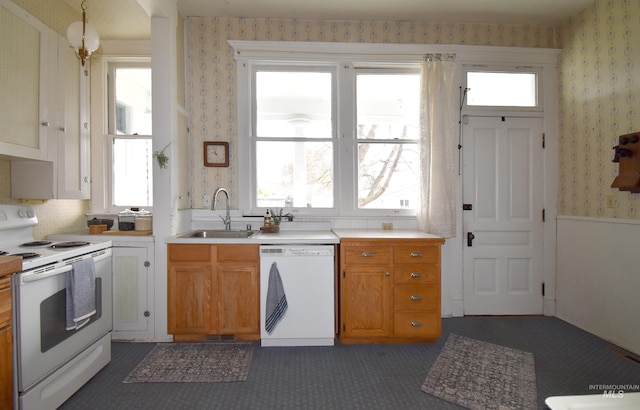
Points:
[(84, 235), (383, 234), (290, 237)]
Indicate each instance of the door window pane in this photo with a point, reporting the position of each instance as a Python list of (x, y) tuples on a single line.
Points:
[(294, 174), (293, 104), (500, 89)]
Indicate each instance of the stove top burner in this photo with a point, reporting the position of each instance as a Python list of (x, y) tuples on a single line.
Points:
[(71, 244), (26, 255), (36, 243)]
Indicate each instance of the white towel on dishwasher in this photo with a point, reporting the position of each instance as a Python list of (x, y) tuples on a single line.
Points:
[(81, 294), (276, 305)]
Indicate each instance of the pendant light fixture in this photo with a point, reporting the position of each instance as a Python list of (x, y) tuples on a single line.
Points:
[(83, 38)]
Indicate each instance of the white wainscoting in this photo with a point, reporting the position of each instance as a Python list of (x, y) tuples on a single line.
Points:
[(598, 277)]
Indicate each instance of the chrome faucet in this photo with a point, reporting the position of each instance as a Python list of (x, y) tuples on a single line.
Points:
[(226, 219)]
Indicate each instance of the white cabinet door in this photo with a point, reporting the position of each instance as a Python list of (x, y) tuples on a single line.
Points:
[(25, 53), (72, 125), (132, 292)]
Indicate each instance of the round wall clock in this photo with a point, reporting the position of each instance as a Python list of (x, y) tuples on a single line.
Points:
[(216, 154)]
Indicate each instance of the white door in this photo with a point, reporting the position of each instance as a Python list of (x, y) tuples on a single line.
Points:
[(503, 231)]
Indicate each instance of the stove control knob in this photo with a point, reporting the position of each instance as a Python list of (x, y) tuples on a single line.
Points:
[(22, 213), (30, 214)]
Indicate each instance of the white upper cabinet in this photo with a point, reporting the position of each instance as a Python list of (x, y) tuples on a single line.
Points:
[(44, 111)]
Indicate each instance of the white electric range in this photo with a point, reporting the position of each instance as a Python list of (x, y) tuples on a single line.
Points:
[(50, 362)]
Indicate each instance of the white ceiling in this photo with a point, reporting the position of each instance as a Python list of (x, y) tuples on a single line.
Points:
[(125, 19)]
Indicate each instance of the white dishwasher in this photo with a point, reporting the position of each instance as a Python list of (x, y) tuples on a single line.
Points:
[(306, 279)]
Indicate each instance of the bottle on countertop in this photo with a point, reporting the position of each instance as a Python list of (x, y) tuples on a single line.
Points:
[(267, 218)]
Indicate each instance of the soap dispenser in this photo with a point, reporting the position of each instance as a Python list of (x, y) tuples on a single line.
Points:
[(267, 218)]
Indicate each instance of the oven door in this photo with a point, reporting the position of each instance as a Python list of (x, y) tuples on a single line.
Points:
[(42, 342)]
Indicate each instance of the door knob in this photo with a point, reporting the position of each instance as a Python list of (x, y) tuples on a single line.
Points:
[(470, 238)]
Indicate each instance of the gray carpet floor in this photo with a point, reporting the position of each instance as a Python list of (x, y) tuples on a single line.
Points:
[(568, 361)]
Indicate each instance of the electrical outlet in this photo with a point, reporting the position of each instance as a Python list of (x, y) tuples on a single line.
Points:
[(206, 198), (612, 202), (387, 226)]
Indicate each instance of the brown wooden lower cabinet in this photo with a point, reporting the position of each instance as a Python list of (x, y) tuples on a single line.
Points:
[(213, 291), (8, 266), (390, 290)]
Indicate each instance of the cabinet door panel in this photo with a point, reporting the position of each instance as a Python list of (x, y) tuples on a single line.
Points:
[(6, 374), (130, 287), (5, 301), (367, 302), (238, 298), (24, 83), (189, 299)]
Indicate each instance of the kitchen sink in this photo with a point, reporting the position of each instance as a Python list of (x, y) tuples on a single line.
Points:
[(217, 233)]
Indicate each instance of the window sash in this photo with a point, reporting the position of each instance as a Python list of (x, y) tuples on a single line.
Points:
[(344, 138)]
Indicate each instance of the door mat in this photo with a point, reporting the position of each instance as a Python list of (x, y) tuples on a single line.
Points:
[(480, 375), (194, 363)]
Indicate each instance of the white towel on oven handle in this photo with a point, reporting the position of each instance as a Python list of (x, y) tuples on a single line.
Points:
[(81, 294)]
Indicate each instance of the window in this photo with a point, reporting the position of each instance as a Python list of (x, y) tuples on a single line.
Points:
[(502, 88), (294, 139), (388, 126), (311, 157), (129, 135)]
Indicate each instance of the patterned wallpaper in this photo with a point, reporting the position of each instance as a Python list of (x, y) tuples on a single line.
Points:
[(211, 69), (599, 100)]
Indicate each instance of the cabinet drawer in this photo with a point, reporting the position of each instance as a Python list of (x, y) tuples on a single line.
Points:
[(227, 253), (417, 324), (367, 255), (423, 298), (416, 275), (417, 254), (5, 301), (189, 253)]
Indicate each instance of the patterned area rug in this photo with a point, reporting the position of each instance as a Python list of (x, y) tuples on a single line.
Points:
[(480, 375), (194, 363)]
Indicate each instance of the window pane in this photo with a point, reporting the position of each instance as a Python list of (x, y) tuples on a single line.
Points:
[(133, 101), (294, 174), (388, 106), (388, 176), (502, 89), (132, 172), (293, 104)]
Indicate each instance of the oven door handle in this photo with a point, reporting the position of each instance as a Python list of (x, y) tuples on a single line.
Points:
[(63, 269)]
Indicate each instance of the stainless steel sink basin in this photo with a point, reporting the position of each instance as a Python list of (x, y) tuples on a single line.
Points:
[(217, 233)]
